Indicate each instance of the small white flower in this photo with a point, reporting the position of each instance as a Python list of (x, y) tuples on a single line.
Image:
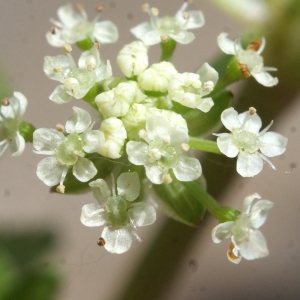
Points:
[(11, 115), (245, 141), (157, 77), (158, 29), (246, 240), (117, 211), (250, 59), (68, 150), (76, 81), (190, 89), (162, 151), (73, 26), (133, 58)]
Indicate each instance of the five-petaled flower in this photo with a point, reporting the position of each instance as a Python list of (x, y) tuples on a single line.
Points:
[(245, 140), (160, 29), (73, 26), (118, 212), (250, 61), (246, 240), (11, 114)]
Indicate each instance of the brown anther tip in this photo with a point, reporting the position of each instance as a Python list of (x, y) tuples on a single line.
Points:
[(145, 7), (60, 127), (60, 189), (97, 45), (164, 38), (188, 1), (255, 45), (101, 242), (230, 252), (79, 7), (252, 111), (154, 11), (53, 30), (99, 8), (5, 102), (244, 69), (186, 15)]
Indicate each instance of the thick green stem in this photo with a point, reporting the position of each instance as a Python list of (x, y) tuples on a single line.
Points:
[(167, 50), (204, 145)]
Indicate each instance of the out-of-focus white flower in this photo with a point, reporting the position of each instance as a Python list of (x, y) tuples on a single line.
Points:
[(67, 150), (160, 29), (133, 58), (157, 77), (117, 211), (246, 240), (190, 89), (73, 26), (11, 115), (250, 61), (245, 141), (163, 151), (76, 81)]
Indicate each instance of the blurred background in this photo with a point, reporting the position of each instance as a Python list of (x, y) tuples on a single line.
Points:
[(45, 251)]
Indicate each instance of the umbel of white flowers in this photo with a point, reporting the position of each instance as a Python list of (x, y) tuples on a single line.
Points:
[(11, 115), (161, 29), (246, 141), (246, 240), (67, 151), (73, 26), (117, 211)]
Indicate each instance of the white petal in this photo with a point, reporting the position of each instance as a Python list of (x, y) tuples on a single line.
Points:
[(17, 145), (94, 140), (208, 73), (249, 165), (79, 122), (137, 152), (221, 232), (195, 20), (68, 16), (92, 215), (272, 144), (187, 168), (103, 72), (100, 190), (247, 204), (226, 145), (183, 37), (60, 95), (154, 173), (250, 123), (259, 212), (128, 185), (92, 53), (265, 78), (158, 127), (226, 45), (56, 39), (22, 103), (3, 146), (178, 136), (142, 214), (140, 30), (84, 169), (206, 104), (254, 246), (47, 139), (49, 171), (53, 62), (151, 38), (230, 119), (105, 32), (117, 240)]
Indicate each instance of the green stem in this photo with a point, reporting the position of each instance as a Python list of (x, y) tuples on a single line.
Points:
[(167, 50), (204, 145)]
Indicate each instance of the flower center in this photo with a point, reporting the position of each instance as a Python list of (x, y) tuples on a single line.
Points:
[(252, 59), (241, 228), (246, 141), (84, 28), (168, 25), (117, 215)]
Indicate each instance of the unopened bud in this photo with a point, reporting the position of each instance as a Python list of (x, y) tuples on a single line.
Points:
[(5, 102), (60, 189), (252, 111), (60, 127), (67, 48)]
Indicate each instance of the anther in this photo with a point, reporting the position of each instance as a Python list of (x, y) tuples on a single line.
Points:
[(167, 179), (244, 69), (145, 7), (252, 111), (101, 242), (154, 11), (79, 7), (208, 86), (97, 45), (142, 133), (186, 15), (185, 147), (57, 69), (99, 8), (5, 102), (255, 45), (53, 30), (59, 127), (60, 189), (67, 48), (164, 38), (156, 153)]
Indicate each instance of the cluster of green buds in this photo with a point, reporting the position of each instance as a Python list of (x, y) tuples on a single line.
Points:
[(149, 119)]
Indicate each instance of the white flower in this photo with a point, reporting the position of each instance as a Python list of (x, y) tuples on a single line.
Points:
[(250, 60), (246, 240), (158, 29), (162, 151), (157, 77), (76, 81), (133, 58), (190, 89), (73, 26), (117, 211), (245, 141), (68, 150), (11, 115)]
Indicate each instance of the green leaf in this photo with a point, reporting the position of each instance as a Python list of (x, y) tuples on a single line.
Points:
[(203, 124), (179, 203)]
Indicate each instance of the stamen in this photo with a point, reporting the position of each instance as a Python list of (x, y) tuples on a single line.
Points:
[(60, 189), (53, 30), (167, 179), (145, 7), (60, 127), (79, 7), (252, 111), (208, 86), (231, 256), (164, 38), (255, 45), (67, 48), (244, 69), (156, 153), (154, 11), (185, 147), (97, 45), (57, 69), (99, 8), (101, 242), (5, 102), (142, 133), (186, 15)]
